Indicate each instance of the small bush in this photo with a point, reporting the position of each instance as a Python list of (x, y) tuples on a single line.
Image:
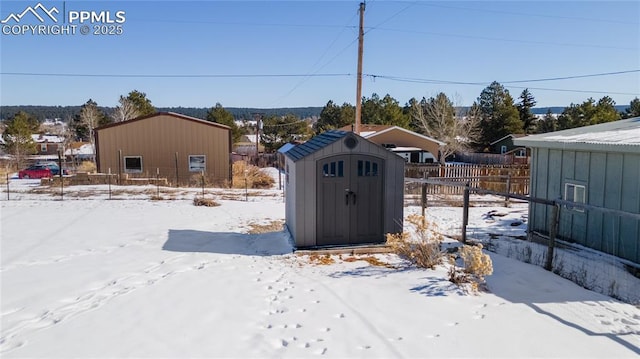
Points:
[(477, 265), (423, 247), (254, 176), (207, 202)]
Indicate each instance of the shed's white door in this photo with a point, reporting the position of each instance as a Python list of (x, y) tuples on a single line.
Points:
[(349, 200)]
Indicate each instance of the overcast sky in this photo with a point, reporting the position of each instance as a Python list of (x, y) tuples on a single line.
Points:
[(304, 53)]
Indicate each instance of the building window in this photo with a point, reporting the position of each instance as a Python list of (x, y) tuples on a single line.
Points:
[(575, 193), (197, 163), (367, 169), (503, 149), (333, 169), (43, 147), (521, 153), (133, 164)]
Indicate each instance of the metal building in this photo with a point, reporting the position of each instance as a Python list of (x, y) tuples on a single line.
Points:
[(170, 145), (596, 165), (342, 189)]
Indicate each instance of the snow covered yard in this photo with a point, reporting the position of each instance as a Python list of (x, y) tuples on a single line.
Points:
[(142, 278)]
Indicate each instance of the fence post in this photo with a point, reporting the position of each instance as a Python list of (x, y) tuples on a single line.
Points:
[(506, 199), (553, 231), (177, 179), (423, 201), (7, 186), (158, 182), (465, 212), (109, 179), (202, 175)]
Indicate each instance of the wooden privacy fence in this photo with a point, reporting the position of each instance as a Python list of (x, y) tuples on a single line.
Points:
[(503, 178)]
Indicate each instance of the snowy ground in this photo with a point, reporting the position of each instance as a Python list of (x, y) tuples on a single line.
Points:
[(142, 278)]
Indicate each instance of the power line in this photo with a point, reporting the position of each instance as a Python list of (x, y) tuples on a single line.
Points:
[(508, 40), (173, 75), (318, 61), (529, 14), (445, 82)]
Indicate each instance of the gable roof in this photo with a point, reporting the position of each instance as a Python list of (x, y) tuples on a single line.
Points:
[(371, 131), (397, 128), (171, 114), (315, 144), (616, 136), (512, 135)]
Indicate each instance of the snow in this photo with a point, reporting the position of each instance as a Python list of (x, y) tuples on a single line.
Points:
[(92, 277)]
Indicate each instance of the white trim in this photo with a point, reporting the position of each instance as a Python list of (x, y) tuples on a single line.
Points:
[(201, 168), (126, 170)]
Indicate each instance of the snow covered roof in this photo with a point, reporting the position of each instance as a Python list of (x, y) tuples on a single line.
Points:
[(47, 138), (617, 136)]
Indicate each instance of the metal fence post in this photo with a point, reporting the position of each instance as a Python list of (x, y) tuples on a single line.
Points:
[(7, 186), (423, 201), (465, 212)]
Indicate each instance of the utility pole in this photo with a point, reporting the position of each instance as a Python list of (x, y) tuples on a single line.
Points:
[(359, 79), (258, 117)]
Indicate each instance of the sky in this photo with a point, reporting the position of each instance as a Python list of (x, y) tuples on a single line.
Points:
[(270, 54), (167, 279)]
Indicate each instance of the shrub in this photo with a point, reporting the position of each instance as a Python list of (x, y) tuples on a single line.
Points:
[(421, 248), (255, 177), (86, 167), (477, 265)]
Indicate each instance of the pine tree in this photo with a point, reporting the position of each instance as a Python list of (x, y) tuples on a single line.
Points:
[(527, 102), (17, 136), (499, 116), (219, 114)]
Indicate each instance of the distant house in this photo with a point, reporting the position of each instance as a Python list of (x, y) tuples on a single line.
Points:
[(505, 146), (173, 146), (47, 145), (412, 146), (596, 165)]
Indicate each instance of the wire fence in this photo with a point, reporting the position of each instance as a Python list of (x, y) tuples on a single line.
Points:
[(609, 263)]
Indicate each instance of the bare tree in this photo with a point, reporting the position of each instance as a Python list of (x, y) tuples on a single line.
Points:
[(442, 120), (90, 117), (125, 111)]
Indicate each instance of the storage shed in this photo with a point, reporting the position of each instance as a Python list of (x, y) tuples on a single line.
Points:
[(342, 189), (596, 165)]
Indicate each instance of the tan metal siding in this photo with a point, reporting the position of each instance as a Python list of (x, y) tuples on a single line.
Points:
[(404, 139)]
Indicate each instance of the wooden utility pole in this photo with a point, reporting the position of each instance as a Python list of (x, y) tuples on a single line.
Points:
[(356, 128)]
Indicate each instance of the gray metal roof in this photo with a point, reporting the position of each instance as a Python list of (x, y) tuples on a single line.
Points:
[(315, 144), (616, 136)]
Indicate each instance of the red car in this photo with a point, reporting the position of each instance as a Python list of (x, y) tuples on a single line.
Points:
[(35, 171)]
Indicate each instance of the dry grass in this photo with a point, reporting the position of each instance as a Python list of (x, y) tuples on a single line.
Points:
[(422, 247), (206, 202), (254, 176), (477, 265), (86, 167), (273, 226), (374, 261), (321, 259)]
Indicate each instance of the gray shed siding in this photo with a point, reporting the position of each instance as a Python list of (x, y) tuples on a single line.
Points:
[(611, 180), (301, 185)]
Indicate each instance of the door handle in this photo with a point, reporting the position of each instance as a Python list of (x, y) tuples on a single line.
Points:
[(347, 192)]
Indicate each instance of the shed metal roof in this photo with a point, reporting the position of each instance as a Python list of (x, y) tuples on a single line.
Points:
[(616, 136), (315, 144)]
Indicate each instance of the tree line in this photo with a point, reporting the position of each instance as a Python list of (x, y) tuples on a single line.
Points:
[(492, 116)]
